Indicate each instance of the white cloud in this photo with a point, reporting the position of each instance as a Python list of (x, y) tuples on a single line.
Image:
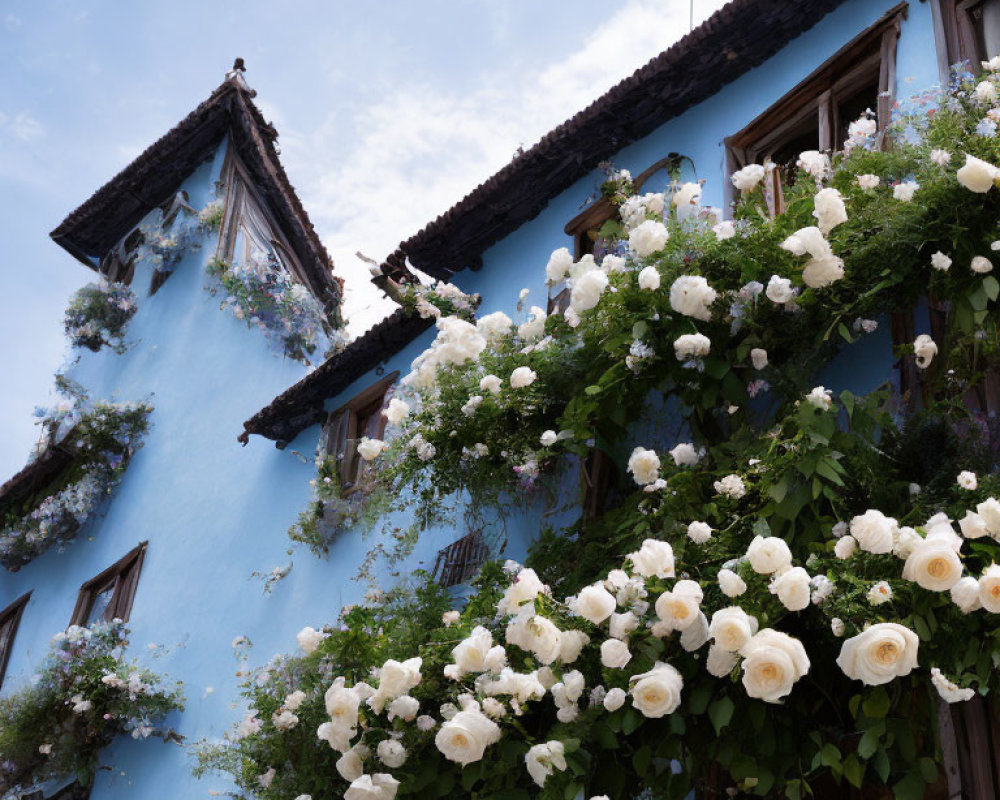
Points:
[(26, 128), (373, 180)]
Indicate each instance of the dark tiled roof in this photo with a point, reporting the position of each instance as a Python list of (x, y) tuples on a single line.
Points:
[(738, 37), (92, 229), (301, 405)]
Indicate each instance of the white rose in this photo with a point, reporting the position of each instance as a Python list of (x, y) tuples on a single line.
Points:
[(748, 177), (837, 627), (350, 765), (719, 662), (977, 175), (526, 586), (587, 290), (934, 565), (534, 328), (395, 678), (940, 261), (465, 737), (829, 209), (491, 384), (294, 700), (684, 455), (695, 635), (845, 547), (820, 397), (949, 691), (880, 593), (815, 163), (924, 350), (653, 559), (779, 290), (538, 635), (691, 345), (965, 595), (679, 608), (989, 510), (614, 699), (731, 584), (906, 542), (370, 449), (380, 786), (968, 480), (615, 654), (941, 157), (989, 589), (792, 588), (823, 267), (621, 625), (769, 554), (884, 651), (868, 181), (973, 526), (396, 411), (699, 532), (772, 663), (731, 485), (649, 278), (691, 296), (658, 692), (309, 639), (548, 438), (404, 707), (758, 357), (732, 628), (904, 191), (647, 238), (724, 230), (612, 263), (559, 263), (521, 377), (985, 92), (391, 753), (981, 265), (542, 760), (471, 654), (873, 531), (644, 465), (594, 603)]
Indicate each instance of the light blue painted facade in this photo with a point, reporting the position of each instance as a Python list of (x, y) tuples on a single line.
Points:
[(214, 511)]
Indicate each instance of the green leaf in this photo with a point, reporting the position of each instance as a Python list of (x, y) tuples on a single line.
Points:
[(830, 757), (928, 769), (639, 329), (912, 787), (882, 765), (633, 719), (641, 759), (876, 705), (920, 626), (721, 712), (845, 334), (592, 390), (868, 743), (992, 287), (698, 701), (854, 770)]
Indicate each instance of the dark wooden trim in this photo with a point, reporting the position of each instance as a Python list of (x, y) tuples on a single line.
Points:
[(342, 432), (460, 561), (11, 616), (597, 474), (960, 39), (125, 574)]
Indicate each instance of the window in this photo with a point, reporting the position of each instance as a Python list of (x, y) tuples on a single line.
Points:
[(585, 227), (10, 618), (459, 562), (362, 416), (248, 230), (119, 262), (970, 28), (815, 115), (109, 595)]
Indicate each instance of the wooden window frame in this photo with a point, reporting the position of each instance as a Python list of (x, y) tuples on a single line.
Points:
[(124, 573), (10, 618), (240, 192), (460, 561), (871, 52), (956, 34), (342, 430)]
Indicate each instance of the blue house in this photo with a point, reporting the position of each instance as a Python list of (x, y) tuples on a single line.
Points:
[(190, 548)]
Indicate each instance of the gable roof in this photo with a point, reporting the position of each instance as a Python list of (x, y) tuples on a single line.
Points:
[(152, 178), (741, 35)]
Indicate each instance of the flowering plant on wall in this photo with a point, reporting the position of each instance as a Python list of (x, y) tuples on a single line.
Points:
[(91, 448), (809, 575), (437, 300), (98, 315), (83, 696), (263, 295)]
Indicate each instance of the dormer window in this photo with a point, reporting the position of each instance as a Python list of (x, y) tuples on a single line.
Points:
[(971, 30)]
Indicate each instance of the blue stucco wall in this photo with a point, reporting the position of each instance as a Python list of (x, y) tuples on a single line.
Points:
[(214, 511)]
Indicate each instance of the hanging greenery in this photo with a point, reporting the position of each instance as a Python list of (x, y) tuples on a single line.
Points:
[(98, 315)]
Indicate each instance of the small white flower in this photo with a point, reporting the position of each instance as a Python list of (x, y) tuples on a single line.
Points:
[(699, 532), (779, 290), (981, 265), (949, 691), (449, 618), (649, 278), (614, 699), (644, 465), (977, 175), (731, 584), (904, 191), (837, 627), (868, 181), (880, 592), (940, 261), (924, 350), (748, 177), (968, 480), (821, 398), (684, 455), (615, 654), (731, 486), (758, 357), (548, 438), (521, 377), (491, 384), (724, 230), (370, 449)]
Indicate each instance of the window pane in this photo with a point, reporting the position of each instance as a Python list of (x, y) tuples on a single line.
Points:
[(988, 29), (99, 604)]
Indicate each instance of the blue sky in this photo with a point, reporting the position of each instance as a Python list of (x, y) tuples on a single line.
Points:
[(388, 112)]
